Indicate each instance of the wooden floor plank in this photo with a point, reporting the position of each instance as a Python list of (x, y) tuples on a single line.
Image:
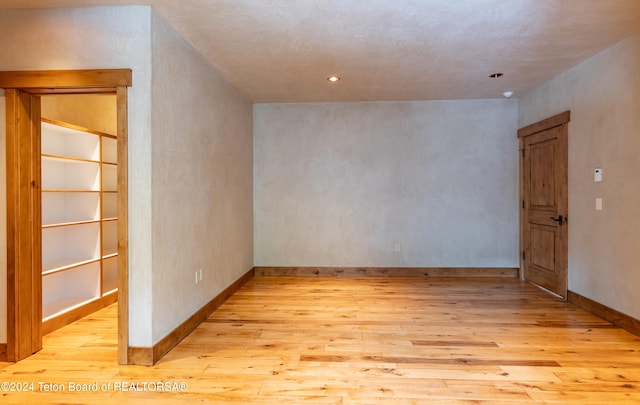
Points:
[(356, 341)]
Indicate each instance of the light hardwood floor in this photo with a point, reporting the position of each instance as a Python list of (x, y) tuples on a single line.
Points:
[(357, 341)]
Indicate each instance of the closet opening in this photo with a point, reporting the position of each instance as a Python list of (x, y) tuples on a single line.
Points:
[(79, 196), (66, 179)]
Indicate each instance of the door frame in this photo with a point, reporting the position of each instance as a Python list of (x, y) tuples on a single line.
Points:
[(560, 120), (24, 276)]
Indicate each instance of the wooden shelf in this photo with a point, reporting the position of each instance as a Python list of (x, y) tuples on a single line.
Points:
[(69, 159), (115, 290), (70, 208), (109, 251), (92, 221), (64, 305), (66, 264), (82, 130), (75, 312), (71, 191), (78, 235)]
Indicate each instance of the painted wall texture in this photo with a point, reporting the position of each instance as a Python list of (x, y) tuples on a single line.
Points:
[(347, 184), (603, 94), (202, 180)]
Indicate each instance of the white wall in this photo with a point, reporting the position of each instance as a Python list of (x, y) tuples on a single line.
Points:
[(202, 181), (91, 38), (603, 95), (340, 184)]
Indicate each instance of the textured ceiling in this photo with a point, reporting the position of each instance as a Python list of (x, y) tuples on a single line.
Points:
[(283, 50)]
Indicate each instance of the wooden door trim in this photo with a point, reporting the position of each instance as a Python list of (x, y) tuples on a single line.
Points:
[(23, 225), (551, 122), (34, 83), (77, 81), (123, 225), (558, 120)]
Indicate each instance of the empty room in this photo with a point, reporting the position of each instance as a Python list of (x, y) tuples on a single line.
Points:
[(354, 202)]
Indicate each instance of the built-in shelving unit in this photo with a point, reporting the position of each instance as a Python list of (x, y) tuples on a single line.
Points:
[(79, 222)]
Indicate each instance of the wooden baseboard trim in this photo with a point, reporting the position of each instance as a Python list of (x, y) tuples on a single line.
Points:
[(421, 272), (3, 352), (140, 355), (148, 356), (66, 318), (617, 318)]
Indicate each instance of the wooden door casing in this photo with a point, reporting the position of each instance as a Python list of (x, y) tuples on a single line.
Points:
[(24, 284), (24, 328), (543, 219)]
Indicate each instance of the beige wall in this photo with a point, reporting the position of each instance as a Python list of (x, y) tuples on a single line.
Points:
[(603, 95), (202, 203), (340, 184), (93, 111)]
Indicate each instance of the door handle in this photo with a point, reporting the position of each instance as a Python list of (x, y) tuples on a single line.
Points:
[(559, 219)]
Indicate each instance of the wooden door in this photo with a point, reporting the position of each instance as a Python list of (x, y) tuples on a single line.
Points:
[(543, 219)]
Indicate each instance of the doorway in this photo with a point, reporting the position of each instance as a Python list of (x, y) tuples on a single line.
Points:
[(544, 210), (78, 141), (23, 92)]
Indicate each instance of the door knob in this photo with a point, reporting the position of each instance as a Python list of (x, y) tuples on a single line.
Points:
[(558, 219)]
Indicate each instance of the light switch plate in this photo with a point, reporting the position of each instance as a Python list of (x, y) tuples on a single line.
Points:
[(598, 204)]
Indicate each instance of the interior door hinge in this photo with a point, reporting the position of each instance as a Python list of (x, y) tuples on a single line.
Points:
[(523, 255), (522, 152), (522, 203)]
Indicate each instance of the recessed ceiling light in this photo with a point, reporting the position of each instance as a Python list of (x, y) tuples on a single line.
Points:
[(333, 79), (496, 75)]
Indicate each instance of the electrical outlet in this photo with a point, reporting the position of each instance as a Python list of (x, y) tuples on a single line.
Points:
[(397, 247), (199, 276), (597, 175)]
